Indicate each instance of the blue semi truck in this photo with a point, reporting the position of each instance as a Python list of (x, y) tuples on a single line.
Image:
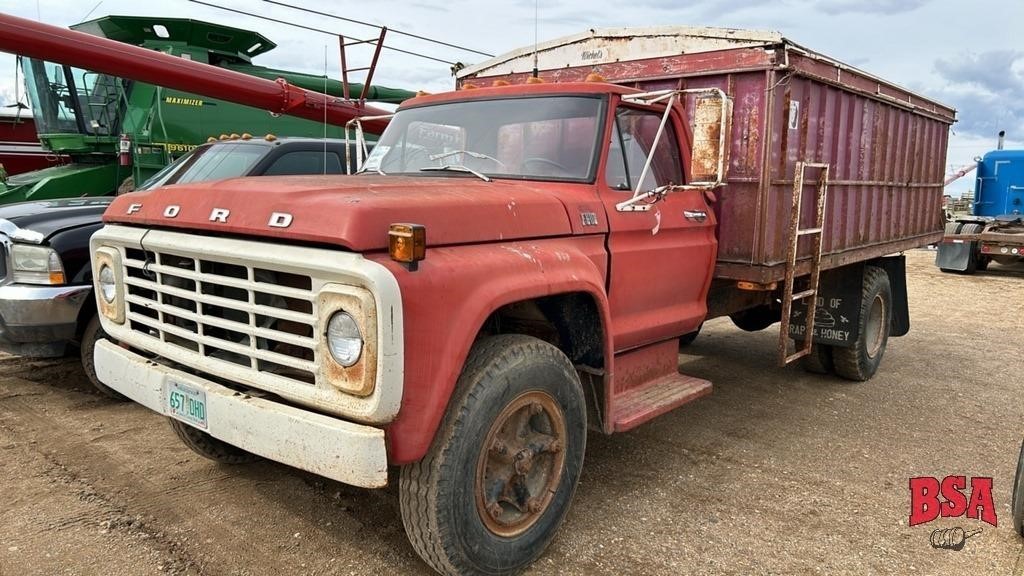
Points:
[(994, 232)]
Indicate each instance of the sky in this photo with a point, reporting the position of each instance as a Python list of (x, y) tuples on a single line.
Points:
[(967, 55)]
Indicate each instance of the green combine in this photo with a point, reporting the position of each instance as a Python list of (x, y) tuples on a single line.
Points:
[(117, 131)]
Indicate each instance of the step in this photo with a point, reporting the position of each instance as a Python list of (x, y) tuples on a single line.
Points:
[(638, 405)]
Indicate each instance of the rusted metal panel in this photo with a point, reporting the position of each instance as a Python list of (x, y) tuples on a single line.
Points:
[(885, 146)]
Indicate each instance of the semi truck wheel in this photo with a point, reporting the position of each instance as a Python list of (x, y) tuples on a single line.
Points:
[(755, 319), (1017, 502), (86, 352), (497, 482), (975, 263), (209, 447), (860, 361)]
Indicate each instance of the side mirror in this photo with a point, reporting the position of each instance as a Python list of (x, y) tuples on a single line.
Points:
[(711, 123)]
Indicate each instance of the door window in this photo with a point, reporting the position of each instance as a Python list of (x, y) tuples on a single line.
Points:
[(632, 139)]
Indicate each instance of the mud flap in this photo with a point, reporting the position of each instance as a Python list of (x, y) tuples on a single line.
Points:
[(896, 268), (837, 314), (954, 255)]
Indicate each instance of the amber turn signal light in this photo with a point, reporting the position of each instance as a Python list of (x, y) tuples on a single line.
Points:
[(407, 243)]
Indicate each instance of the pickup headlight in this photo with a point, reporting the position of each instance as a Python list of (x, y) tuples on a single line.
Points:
[(36, 265)]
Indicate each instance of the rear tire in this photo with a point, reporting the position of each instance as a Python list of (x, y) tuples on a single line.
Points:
[(860, 361), (209, 447), (86, 352), (484, 500), (757, 318), (819, 361)]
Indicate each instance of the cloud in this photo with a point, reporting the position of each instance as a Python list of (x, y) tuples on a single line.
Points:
[(986, 88), (869, 6)]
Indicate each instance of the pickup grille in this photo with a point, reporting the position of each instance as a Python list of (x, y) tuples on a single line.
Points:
[(256, 318), (3, 260)]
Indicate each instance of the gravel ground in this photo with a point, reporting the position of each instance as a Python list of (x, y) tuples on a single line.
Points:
[(777, 472)]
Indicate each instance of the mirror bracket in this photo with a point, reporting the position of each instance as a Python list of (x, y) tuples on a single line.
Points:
[(643, 200)]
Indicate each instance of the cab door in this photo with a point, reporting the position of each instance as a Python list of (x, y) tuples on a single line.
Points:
[(661, 260)]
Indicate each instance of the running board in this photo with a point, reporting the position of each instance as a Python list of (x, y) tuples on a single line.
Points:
[(648, 384)]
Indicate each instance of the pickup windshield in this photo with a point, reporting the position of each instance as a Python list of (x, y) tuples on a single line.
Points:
[(211, 162), (538, 138)]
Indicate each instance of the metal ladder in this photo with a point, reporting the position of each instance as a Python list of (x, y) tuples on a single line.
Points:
[(377, 43), (810, 293)]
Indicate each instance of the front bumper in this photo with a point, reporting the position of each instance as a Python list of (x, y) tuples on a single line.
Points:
[(39, 320), (350, 453)]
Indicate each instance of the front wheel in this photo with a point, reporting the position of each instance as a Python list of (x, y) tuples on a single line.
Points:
[(497, 482), (86, 350), (209, 447), (860, 361)]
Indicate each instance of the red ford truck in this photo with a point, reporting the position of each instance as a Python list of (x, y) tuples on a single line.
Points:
[(517, 264)]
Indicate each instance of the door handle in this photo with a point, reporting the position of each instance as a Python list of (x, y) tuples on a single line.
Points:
[(695, 215)]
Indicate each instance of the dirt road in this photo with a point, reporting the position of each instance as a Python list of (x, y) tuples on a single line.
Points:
[(778, 472)]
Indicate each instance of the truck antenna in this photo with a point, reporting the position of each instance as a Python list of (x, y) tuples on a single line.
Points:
[(535, 26)]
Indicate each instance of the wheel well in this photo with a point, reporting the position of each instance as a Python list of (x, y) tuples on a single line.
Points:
[(85, 313), (570, 322)]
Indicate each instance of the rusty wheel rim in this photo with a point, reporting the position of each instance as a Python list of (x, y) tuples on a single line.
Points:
[(875, 327), (520, 464)]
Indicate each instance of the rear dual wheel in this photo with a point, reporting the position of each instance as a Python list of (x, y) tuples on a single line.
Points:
[(496, 484), (860, 361)]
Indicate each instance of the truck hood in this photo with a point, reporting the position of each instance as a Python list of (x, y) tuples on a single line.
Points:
[(48, 217), (352, 211)]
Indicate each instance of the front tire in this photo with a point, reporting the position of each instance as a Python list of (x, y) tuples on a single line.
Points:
[(209, 447), (860, 361), (491, 492), (86, 351)]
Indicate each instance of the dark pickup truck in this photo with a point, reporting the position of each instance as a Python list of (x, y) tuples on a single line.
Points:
[(46, 302)]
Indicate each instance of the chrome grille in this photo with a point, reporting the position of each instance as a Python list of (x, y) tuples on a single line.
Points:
[(256, 318)]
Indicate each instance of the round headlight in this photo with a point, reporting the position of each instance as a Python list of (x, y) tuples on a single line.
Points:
[(108, 287), (343, 339)]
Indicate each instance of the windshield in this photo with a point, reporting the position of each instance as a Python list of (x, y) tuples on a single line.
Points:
[(68, 100), (216, 162), (542, 138)]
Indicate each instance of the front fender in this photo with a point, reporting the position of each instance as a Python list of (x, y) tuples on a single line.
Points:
[(447, 301)]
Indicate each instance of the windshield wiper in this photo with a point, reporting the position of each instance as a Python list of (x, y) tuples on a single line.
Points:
[(480, 155), (456, 168)]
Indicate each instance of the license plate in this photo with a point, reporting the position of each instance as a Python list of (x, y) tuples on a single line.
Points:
[(186, 403)]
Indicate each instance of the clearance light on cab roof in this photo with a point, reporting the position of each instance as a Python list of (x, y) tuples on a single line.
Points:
[(407, 243)]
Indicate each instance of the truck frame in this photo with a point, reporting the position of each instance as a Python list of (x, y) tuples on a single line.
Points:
[(516, 264)]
